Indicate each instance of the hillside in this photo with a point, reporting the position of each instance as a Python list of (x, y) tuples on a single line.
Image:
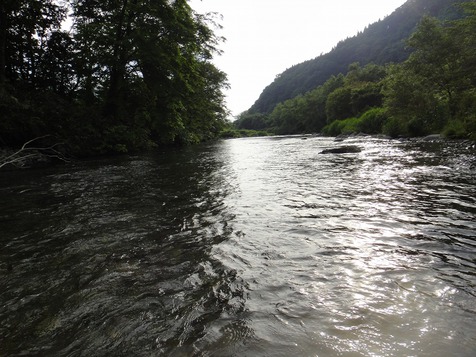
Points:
[(380, 43)]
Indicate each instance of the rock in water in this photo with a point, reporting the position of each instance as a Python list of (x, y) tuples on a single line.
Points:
[(432, 137), (342, 150)]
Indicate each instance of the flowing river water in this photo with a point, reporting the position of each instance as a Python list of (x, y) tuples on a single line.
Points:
[(244, 247)]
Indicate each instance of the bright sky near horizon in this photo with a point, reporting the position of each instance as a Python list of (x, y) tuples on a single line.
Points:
[(265, 37)]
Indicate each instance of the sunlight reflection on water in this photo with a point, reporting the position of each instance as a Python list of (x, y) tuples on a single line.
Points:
[(247, 247), (354, 262)]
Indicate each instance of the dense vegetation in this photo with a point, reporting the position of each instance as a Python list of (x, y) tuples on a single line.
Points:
[(380, 43), (433, 91), (130, 74)]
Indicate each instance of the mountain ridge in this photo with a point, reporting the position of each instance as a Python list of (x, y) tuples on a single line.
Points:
[(381, 42)]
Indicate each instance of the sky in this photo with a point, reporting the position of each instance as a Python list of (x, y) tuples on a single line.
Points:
[(265, 37)]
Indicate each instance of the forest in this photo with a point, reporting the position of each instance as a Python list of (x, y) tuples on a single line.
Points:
[(380, 43), (126, 75), (432, 91)]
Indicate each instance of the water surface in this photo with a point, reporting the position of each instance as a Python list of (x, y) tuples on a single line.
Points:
[(246, 247)]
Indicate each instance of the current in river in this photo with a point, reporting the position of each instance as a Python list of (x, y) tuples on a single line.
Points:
[(244, 247)]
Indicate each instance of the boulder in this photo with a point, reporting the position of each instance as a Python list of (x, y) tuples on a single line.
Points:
[(347, 149)]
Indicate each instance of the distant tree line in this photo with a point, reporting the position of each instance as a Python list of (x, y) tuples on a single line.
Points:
[(130, 74), (433, 91)]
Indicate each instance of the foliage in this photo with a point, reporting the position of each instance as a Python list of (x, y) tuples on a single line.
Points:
[(433, 91), (338, 104), (335, 128), (459, 129), (435, 87), (381, 43), (242, 133), (251, 121), (340, 97), (304, 113), (409, 101), (371, 122), (130, 75), (394, 128)]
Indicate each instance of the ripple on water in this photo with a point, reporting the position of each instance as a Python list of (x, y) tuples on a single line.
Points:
[(250, 247)]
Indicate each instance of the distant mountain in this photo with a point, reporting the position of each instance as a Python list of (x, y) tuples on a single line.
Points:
[(380, 43)]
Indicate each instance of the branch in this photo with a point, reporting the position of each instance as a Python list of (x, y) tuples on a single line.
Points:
[(19, 157)]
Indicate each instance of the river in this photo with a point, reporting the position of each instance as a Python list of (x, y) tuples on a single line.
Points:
[(244, 247)]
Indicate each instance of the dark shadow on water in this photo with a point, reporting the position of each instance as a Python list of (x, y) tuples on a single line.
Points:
[(116, 257)]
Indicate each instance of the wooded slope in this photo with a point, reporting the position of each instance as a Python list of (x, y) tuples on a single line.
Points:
[(382, 42)]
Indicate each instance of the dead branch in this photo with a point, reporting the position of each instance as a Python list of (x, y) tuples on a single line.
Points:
[(27, 153)]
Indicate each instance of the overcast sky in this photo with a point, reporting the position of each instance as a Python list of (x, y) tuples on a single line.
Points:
[(265, 37)]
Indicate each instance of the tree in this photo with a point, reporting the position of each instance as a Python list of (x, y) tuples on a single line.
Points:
[(410, 103), (437, 59), (436, 84), (338, 104), (57, 69), (252, 121), (24, 29), (159, 51), (131, 74)]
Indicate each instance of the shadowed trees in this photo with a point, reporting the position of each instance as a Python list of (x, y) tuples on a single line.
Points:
[(130, 74)]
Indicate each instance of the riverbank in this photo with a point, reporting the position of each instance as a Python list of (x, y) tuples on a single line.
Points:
[(33, 157)]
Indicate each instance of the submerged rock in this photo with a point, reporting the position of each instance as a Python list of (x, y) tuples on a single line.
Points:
[(342, 150)]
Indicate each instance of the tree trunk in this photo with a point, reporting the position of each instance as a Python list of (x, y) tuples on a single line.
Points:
[(113, 107)]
